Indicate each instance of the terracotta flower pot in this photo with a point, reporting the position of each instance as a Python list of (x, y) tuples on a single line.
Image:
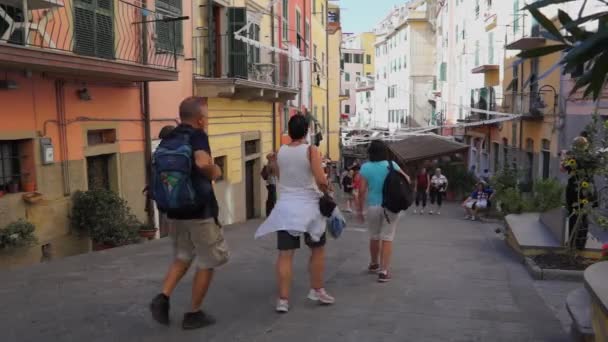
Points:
[(28, 186), (147, 233)]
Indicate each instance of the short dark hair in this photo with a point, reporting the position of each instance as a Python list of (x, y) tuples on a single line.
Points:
[(165, 132), (192, 108), (584, 134), (377, 151), (297, 127)]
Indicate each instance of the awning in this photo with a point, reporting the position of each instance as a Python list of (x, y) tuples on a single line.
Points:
[(423, 147), (34, 4)]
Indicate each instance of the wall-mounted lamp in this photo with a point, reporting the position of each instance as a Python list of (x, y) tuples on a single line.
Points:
[(84, 94)]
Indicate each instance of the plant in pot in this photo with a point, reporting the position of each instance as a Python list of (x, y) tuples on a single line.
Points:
[(28, 184), (17, 234), (147, 231), (13, 187), (105, 217)]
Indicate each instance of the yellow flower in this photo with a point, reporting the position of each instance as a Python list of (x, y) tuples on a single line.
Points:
[(584, 201), (571, 163), (585, 185)]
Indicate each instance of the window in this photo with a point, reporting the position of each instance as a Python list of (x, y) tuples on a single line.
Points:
[(314, 6), (368, 59), (515, 16), (347, 109), (307, 33), (347, 77), (491, 48), (285, 19), (221, 163), (404, 62), (443, 70), (347, 92), (348, 58), (477, 53), (358, 58), (101, 136), (253, 55), (94, 27), (285, 118), (368, 95), (10, 168), (298, 22), (322, 15), (252, 147)]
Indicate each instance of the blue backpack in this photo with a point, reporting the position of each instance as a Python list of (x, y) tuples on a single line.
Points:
[(173, 189)]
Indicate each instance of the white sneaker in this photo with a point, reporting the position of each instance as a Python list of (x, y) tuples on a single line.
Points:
[(438, 213), (431, 212), (321, 296), (422, 212), (415, 211), (282, 306)]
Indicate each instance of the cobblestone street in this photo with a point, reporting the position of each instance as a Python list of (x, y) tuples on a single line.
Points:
[(453, 280)]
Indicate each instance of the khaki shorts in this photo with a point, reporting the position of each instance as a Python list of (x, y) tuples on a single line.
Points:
[(201, 241), (379, 228)]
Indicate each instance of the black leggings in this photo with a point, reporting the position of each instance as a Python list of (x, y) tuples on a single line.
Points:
[(436, 196), (421, 197)]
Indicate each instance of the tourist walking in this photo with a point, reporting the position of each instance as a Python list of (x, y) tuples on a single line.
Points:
[(439, 186), (422, 185), (197, 237), (381, 223), (297, 214), (347, 186)]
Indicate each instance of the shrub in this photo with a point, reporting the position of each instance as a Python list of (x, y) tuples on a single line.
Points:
[(16, 234), (105, 217), (547, 195), (511, 201)]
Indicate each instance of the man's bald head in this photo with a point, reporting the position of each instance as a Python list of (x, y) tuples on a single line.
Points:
[(192, 110)]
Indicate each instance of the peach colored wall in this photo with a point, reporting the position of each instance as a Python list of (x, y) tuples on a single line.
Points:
[(34, 103)]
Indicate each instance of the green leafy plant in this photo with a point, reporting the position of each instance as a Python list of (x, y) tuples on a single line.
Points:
[(17, 234), (511, 201), (461, 181), (105, 217), (580, 47), (547, 194)]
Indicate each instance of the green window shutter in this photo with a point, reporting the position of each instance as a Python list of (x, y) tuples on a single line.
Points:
[(477, 53), (169, 35), (491, 48), (237, 17), (347, 77), (94, 28), (443, 71)]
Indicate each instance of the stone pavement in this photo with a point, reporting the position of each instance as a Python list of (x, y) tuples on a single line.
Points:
[(454, 280)]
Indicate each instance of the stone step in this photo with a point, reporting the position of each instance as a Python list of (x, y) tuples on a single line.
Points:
[(531, 233), (578, 304)]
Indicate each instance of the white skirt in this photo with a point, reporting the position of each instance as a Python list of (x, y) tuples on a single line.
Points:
[(296, 213)]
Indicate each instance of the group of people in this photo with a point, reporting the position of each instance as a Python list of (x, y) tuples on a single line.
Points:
[(296, 181), (434, 187)]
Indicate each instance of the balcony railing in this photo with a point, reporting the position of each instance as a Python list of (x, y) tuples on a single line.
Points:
[(529, 104), (223, 56), (113, 30)]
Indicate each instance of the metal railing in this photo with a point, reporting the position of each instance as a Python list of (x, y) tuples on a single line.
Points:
[(108, 29), (223, 56), (533, 104)]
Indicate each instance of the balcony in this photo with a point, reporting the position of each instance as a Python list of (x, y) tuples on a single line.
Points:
[(100, 39), (485, 68), (365, 84), (520, 38), (531, 105), (225, 67)]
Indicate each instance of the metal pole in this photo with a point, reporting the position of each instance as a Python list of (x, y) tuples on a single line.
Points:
[(26, 19)]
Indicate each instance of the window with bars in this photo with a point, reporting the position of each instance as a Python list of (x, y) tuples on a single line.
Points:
[(10, 168), (169, 34), (94, 28), (285, 19)]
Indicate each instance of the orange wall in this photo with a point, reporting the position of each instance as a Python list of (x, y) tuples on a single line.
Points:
[(34, 103)]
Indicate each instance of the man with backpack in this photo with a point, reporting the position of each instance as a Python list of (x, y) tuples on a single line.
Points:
[(182, 188), (385, 190)]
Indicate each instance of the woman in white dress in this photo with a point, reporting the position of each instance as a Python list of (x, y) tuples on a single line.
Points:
[(297, 213)]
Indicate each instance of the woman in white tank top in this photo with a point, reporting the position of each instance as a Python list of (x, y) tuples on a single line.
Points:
[(297, 214)]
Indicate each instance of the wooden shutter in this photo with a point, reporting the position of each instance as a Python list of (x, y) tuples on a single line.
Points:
[(169, 34), (94, 28), (237, 17)]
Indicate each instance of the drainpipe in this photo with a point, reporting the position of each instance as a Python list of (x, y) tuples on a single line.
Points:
[(326, 63), (273, 61), (63, 140), (145, 95)]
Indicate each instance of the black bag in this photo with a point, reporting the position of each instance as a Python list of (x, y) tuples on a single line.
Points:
[(326, 203), (396, 193)]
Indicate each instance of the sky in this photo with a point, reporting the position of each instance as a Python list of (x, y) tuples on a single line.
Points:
[(361, 15)]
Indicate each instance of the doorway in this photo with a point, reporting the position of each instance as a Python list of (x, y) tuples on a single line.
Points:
[(98, 173), (250, 188)]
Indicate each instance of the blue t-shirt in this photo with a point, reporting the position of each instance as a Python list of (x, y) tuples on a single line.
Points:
[(374, 174), (485, 194)]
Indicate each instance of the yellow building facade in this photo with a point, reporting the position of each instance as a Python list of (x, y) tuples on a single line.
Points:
[(242, 82), (319, 45), (334, 37), (368, 40)]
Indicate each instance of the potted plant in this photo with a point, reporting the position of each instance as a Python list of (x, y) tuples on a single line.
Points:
[(105, 217), (147, 231), (16, 234), (13, 187), (28, 184)]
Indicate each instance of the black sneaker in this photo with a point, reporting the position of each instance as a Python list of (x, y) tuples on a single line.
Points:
[(384, 277), (197, 320), (373, 268), (160, 309)]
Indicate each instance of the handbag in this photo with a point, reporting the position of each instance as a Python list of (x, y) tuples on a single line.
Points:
[(326, 203)]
